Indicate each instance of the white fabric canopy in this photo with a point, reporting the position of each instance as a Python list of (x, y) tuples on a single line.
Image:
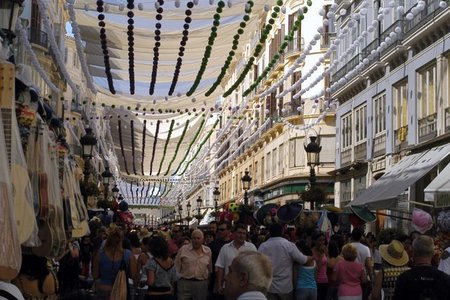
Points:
[(383, 193)]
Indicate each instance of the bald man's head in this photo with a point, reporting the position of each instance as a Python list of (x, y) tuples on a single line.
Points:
[(197, 238)]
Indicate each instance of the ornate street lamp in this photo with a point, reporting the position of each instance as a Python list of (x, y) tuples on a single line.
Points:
[(88, 142), (180, 211), (106, 177), (188, 206), (9, 11), (312, 154), (216, 197), (115, 191), (199, 204), (246, 180)]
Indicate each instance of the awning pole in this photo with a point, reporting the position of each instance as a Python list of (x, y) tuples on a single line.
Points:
[(392, 216), (421, 204)]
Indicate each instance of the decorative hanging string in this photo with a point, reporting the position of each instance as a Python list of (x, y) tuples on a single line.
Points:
[(152, 189), (158, 123), (79, 47), (131, 190), (172, 123), (132, 146), (200, 146), (182, 48), (208, 49), (177, 147), (158, 25), (104, 43), (314, 123), (130, 34), (144, 132), (281, 50), (43, 9), (146, 192), (34, 60), (267, 29), (121, 146), (190, 146), (240, 31)]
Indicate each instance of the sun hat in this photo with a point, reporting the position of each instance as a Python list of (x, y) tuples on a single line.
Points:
[(421, 220), (394, 253), (289, 212), (443, 220), (266, 213)]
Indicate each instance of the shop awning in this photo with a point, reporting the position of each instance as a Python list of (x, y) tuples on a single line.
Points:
[(383, 193), (440, 184), (208, 217)]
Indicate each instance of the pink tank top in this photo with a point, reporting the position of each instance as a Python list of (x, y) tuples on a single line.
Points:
[(322, 270)]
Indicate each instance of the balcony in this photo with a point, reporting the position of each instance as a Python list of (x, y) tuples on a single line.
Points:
[(361, 152), (326, 39), (295, 46), (350, 65), (346, 157), (432, 9), (379, 145), (427, 128), (401, 138), (385, 34), (38, 37)]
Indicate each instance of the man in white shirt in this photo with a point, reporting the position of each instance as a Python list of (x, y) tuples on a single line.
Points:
[(229, 252), (249, 277), (363, 257), (444, 263), (283, 254)]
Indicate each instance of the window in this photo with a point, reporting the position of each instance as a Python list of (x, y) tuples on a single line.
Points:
[(281, 159), (256, 173), (296, 152), (328, 153), (346, 192), (360, 185), (268, 167), (274, 162), (346, 128), (380, 114), (400, 95), (426, 91), (360, 124), (262, 169)]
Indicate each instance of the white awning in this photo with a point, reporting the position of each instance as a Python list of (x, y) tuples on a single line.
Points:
[(208, 217), (439, 185), (383, 193)]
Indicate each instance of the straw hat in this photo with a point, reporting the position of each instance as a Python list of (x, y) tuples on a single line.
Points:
[(394, 253), (143, 233)]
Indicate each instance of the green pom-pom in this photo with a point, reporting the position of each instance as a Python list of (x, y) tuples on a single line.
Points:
[(221, 4), (240, 31), (231, 53), (214, 29), (305, 10), (246, 18), (210, 43), (84, 102), (216, 17), (309, 2), (242, 24), (216, 23), (103, 104), (219, 10), (144, 109), (276, 9), (236, 37), (213, 35), (302, 17), (269, 27), (129, 107), (276, 57), (279, 2), (208, 48), (113, 106), (271, 21), (284, 44), (234, 47), (250, 3), (274, 15)]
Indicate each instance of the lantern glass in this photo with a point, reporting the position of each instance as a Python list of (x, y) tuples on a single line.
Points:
[(106, 176), (216, 194), (199, 201), (88, 141), (246, 180), (9, 11), (115, 191), (313, 151)]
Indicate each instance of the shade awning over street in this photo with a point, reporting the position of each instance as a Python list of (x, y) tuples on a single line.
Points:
[(383, 193), (439, 185)]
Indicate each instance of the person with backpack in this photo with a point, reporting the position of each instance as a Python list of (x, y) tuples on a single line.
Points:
[(423, 281)]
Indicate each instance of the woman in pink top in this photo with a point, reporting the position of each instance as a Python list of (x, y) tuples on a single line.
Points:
[(320, 254), (349, 275)]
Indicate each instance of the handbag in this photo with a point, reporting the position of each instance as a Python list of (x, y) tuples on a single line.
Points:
[(120, 287)]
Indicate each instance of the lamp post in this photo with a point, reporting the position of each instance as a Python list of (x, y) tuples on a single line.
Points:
[(246, 180), (188, 207), (312, 154), (199, 204), (180, 212), (9, 11), (106, 176), (115, 191), (216, 196), (88, 142)]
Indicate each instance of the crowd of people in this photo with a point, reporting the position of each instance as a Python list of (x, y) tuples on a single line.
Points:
[(233, 262)]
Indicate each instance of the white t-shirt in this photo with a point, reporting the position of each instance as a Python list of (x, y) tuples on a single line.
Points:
[(10, 290), (363, 253), (228, 252), (444, 263)]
